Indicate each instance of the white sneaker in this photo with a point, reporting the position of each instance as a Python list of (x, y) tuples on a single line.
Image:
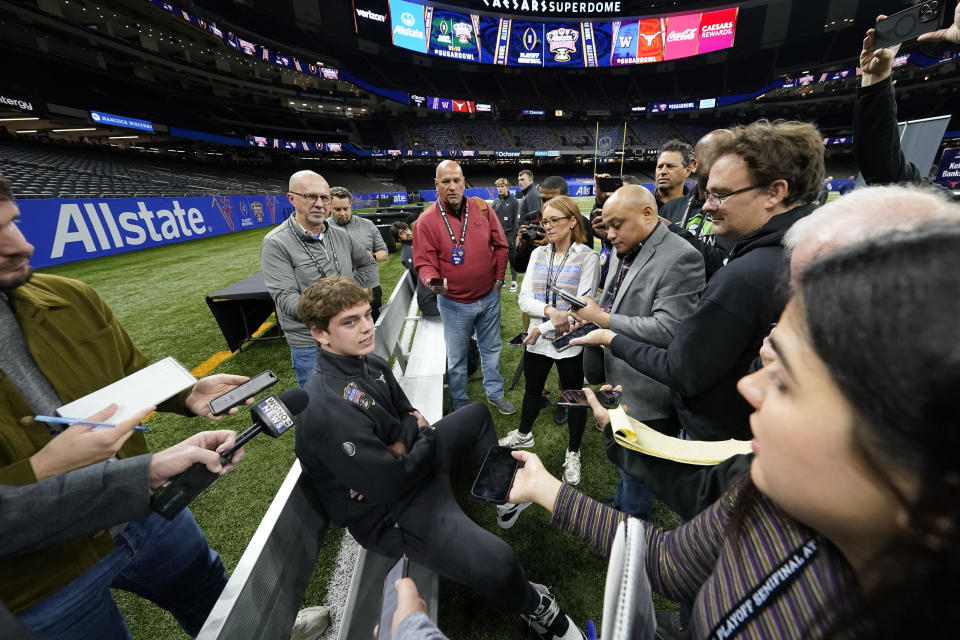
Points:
[(513, 286), (311, 623), (571, 468), (508, 513), (548, 622), (516, 440)]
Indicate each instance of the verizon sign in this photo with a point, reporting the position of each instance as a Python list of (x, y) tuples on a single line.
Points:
[(371, 15)]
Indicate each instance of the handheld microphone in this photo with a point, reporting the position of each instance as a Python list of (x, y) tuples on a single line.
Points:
[(272, 416)]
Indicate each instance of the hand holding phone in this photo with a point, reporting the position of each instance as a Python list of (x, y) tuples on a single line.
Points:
[(438, 285), (517, 340), (238, 395), (910, 23), (578, 398), (575, 303), (496, 476), (563, 341), (609, 184)]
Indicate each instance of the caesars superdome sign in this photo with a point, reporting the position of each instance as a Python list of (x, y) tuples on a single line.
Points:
[(550, 8)]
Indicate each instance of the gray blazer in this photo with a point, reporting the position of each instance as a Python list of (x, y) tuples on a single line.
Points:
[(77, 503), (661, 288)]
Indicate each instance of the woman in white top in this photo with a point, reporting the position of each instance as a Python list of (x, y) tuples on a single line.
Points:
[(571, 266)]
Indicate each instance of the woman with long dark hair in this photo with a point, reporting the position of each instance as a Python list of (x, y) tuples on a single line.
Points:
[(567, 264), (847, 523)]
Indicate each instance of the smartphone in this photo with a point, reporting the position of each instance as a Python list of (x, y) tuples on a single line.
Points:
[(575, 303), (221, 404), (563, 341), (517, 340), (496, 476), (389, 604), (577, 398), (437, 282), (610, 184), (909, 23)]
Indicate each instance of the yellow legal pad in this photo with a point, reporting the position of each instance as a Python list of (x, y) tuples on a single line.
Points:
[(637, 436)]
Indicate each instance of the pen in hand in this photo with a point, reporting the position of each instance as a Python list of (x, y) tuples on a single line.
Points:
[(92, 423)]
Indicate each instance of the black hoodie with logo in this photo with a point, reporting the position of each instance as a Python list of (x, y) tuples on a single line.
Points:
[(357, 409)]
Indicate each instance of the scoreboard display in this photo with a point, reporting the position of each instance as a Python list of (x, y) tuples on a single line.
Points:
[(521, 42)]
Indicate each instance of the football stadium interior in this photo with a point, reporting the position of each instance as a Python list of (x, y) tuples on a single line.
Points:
[(149, 144)]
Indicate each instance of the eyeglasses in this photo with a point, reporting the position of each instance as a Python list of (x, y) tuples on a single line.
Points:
[(552, 222), (313, 197), (716, 199)]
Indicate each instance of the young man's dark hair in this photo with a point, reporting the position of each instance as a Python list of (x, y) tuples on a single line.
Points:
[(396, 228), (327, 297), (526, 172)]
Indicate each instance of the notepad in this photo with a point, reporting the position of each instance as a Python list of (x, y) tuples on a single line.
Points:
[(144, 388), (637, 436)]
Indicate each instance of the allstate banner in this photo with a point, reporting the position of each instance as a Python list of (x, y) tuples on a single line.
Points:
[(949, 172), (67, 230)]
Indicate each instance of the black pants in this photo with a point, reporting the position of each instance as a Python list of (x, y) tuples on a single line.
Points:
[(570, 371), (376, 302), (435, 532), (511, 258)]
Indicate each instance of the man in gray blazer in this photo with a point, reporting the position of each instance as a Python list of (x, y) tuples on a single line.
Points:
[(654, 282)]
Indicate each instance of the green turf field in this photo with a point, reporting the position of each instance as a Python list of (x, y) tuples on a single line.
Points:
[(158, 294)]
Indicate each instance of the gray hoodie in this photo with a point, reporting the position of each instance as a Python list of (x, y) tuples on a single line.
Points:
[(291, 260)]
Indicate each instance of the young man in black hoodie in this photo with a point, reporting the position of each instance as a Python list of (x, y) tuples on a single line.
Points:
[(382, 471), (764, 179)]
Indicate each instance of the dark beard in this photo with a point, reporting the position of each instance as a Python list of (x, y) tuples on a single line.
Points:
[(9, 283)]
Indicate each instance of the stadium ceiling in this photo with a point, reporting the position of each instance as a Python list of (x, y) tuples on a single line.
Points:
[(774, 37)]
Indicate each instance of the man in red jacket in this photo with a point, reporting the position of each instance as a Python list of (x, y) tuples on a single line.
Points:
[(460, 251)]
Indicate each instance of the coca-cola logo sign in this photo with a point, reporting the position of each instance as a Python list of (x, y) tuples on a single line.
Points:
[(681, 36)]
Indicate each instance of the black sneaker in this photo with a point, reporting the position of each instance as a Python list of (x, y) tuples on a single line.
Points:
[(560, 417), (548, 621)]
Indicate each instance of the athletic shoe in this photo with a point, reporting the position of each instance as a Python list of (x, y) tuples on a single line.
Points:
[(548, 621), (503, 405), (311, 623), (517, 440), (513, 286), (508, 513), (571, 468), (560, 417)]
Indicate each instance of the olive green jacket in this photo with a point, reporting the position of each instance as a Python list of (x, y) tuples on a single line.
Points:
[(80, 346)]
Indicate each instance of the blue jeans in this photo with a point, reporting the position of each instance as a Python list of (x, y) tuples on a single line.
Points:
[(303, 359), (633, 497), (460, 321), (167, 562)]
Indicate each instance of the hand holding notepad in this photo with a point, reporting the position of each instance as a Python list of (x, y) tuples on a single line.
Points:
[(635, 435), (144, 388)]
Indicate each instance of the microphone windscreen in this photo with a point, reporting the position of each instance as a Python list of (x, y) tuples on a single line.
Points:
[(295, 400)]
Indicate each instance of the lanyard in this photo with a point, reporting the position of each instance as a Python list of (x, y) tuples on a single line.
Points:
[(313, 258), (463, 228), (764, 593), (686, 212), (553, 283)]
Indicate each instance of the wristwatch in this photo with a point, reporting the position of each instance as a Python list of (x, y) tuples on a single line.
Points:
[(499, 282)]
